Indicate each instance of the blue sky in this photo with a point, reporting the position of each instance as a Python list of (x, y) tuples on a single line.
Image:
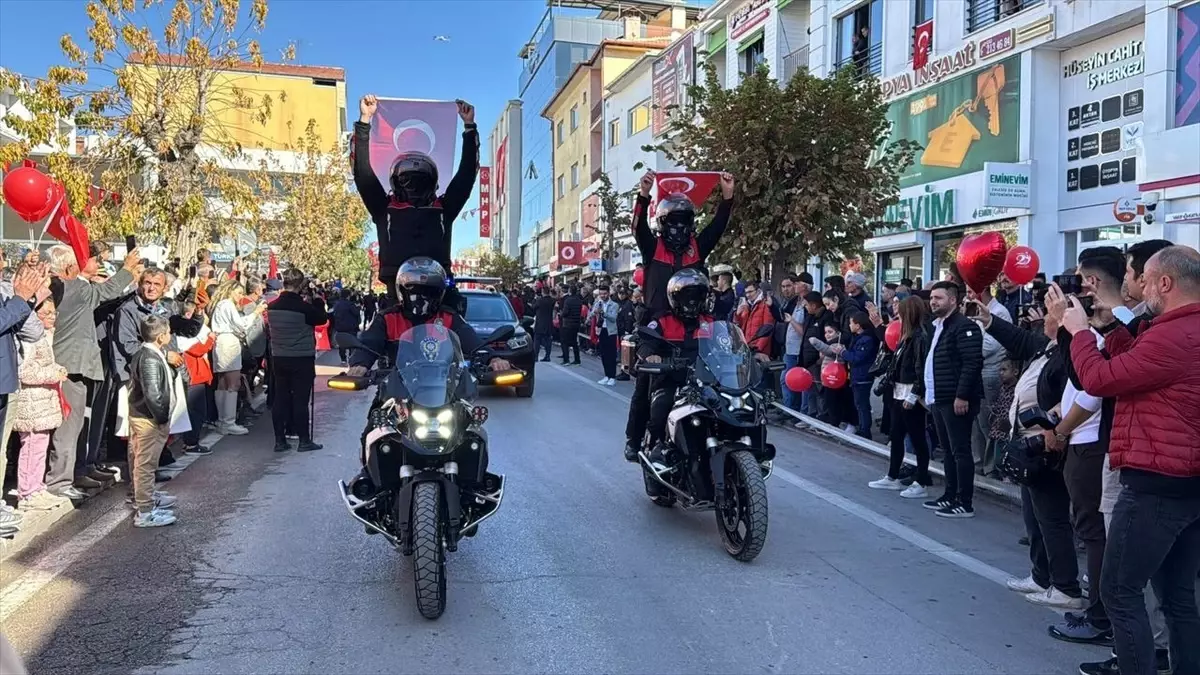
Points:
[(386, 47)]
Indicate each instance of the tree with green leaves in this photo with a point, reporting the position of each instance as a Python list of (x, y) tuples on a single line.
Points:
[(615, 219), (508, 269), (814, 165)]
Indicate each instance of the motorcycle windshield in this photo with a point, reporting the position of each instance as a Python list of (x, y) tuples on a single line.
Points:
[(429, 364), (725, 359)]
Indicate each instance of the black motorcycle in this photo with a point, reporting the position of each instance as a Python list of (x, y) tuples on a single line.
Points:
[(717, 456), (426, 483)]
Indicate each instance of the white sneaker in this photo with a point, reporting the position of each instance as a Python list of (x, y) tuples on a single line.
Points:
[(234, 429), (155, 518), (42, 500), (603, 380), (886, 483), (610, 382), (1026, 585), (1052, 597), (915, 491)]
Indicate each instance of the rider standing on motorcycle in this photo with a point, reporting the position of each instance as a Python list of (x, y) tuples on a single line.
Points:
[(413, 220), (676, 246), (681, 326), (421, 285)]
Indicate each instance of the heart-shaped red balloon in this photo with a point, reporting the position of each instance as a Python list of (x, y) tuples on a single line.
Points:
[(981, 259), (29, 192)]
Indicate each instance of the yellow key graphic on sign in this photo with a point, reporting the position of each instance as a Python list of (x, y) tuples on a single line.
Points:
[(949, 143)]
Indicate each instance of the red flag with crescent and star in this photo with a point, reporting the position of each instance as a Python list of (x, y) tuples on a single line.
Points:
[(922, 44), (570, 253), (402, 125), (697, 185)]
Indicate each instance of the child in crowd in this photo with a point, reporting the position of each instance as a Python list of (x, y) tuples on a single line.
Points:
[(151, 387), (38, 412), (999, 425), (860, 356)]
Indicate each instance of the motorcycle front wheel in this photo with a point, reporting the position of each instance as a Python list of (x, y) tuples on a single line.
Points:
[(429, 551), (742, 521)]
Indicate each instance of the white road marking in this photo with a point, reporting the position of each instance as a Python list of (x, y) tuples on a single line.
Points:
[(925, 543), (46, 567)]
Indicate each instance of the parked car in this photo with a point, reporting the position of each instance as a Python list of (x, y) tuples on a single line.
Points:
[(487, 310)]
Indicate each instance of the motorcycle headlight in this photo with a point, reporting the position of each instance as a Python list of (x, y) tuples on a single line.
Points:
[(436, 425), (518, 341)]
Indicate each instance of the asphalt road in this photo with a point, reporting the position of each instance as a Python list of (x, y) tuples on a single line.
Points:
[(578, 572)]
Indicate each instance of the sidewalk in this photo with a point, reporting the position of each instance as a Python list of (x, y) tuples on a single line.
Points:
[(36, 523), (1000, 489)]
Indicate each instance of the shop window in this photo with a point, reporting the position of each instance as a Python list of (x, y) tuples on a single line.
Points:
[(983, 13), (897, 265), (574, 117), (639, 118), (751, 57), (614, 133), (860, 39)]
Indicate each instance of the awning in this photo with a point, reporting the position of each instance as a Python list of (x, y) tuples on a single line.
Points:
[(750, 40), (717, 40)]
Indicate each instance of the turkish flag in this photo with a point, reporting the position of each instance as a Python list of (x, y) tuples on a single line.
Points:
[(272, 266), (570, 253), (922, 44), (66, 228), (697, 185), (401, 126)]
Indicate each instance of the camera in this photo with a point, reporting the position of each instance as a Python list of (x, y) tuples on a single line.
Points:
[(1036, 417), (1023, 459)]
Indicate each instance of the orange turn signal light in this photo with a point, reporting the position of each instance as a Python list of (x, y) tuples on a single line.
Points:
[(509, 379), (343, 385)]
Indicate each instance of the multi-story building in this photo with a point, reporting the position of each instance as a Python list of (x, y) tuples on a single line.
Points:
[(739, 35), (504, 149)]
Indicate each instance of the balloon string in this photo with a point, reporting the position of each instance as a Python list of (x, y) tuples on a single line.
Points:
[(53, 212)]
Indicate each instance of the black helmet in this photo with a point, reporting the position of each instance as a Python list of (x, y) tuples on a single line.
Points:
[(420, 283), (676, 221), (414, 178), (687, 291)]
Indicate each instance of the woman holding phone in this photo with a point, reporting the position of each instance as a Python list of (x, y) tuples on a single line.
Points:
[(230, 327)]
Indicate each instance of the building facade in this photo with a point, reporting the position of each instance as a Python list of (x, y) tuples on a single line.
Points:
[(504, 149)]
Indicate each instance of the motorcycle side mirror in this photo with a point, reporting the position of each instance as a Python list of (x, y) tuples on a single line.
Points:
[(500, 334), (527, 323), (351, 341), (763, 331)]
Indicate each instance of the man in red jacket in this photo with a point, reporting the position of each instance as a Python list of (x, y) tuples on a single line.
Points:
[(1155, 442)]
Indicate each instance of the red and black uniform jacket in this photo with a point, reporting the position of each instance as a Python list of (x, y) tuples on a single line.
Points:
[(387, 327), (406, 231), (684, 335), (659, 263)]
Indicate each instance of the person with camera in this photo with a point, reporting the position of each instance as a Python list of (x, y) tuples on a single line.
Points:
[(1046, 505), (1155, 526)]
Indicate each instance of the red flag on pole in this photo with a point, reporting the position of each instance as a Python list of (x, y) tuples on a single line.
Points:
[(697, 185), (272, 266)]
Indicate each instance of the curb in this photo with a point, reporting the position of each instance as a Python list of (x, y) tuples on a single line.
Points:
[(812, 425)]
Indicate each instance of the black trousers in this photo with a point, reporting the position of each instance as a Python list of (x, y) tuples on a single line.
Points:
[(639, 410), (1083, 472), (570, 341), (608, 352), (910, 423), (101, 397), (954, 435), (294, 378), (1052, 508), (661, 401)]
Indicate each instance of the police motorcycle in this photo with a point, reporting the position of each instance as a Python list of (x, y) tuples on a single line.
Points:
[(425, 483), (717, 456)]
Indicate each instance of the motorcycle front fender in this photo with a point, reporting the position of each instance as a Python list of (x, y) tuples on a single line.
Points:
[(451, 508)]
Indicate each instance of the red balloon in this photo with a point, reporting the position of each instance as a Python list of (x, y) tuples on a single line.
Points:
[(891, 335), (1021, 265), (638, 276), (833, 375), (981, 259), (29, 192), (798, 379)]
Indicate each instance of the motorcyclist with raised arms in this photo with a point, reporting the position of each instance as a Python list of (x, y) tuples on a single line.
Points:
[(676, 246), (682, 325), (412, 220)]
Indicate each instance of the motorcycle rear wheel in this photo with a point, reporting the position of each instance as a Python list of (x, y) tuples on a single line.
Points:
[(429, 551), (742, 522)]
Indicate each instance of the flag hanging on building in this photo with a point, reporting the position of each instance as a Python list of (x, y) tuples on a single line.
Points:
[(922, 44)]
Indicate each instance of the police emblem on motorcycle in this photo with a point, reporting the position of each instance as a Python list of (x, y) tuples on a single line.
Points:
[(438, 322), (429, 347)]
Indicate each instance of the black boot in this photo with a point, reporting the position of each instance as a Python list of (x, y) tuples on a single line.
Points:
[(658, 454), (631, 451)]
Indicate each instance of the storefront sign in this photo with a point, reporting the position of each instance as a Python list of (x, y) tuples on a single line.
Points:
[(935, 71), (1007, 185), (1187, 66), (1103, 100), (485, 202), (1127, 60), (927, 211), (962, 123), (749, 15), (1182, 217), (671, 75), (997, 44)]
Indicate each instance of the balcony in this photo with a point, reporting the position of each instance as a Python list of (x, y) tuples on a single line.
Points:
[(597, 114), (866, 63), (792, 63), (983, 13)]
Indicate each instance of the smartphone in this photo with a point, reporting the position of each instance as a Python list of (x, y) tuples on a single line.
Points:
[(1071, 284), (972, 309), (130, 243)]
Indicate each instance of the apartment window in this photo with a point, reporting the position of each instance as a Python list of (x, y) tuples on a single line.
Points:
[(860, 39), (562, 186), (560, 132), (983, 13), (922, 12), (575, 231), (574, 175), (574, 117), (751, 55), (614, 133), (639, 118)]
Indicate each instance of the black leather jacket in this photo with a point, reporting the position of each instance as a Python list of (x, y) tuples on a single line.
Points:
[(150, 386)]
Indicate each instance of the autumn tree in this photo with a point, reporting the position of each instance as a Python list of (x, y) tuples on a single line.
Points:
[(615, 219), (308, 207), (813, 162), (151, 89), (508, 269)]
